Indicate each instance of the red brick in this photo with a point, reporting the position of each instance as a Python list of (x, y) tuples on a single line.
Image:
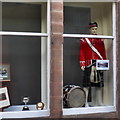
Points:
[(56, 52), (1, 84), (56, 59), (57, 6), (56, 113), (56, 72), (56, 75), (56, 103), (56, 89), (56, 39), (56, 27), (118, 55), (57, 67), (57, 16)]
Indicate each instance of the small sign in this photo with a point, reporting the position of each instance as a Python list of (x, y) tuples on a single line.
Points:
[(4, 98), (4, 72), (102, 64)]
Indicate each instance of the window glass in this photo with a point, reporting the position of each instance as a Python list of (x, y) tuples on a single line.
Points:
[(79, 23), (24, 58), (23, 17), (78, 15), (24, 55), (88, 78)]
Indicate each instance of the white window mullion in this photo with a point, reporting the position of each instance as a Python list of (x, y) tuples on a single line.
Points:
[(45, 93), (88, 0), (114, 50), (24, 34), (25, 1), (48, 52), (87, 36)]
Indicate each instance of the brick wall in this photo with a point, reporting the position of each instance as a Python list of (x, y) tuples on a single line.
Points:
[(56, 59), (118, 59)]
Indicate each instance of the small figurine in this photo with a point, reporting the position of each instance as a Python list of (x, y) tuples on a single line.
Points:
[(25, 100), (40, 106)]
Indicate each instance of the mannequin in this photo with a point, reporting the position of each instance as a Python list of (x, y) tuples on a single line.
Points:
[(87, 63)]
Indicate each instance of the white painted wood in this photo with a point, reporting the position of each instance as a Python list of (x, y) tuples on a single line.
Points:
[(23, 33), (88, 110), (114, 52), (48, 53), (25, 114), (16, 111), (16, 108), (87, 0), (44, 56), (23, 1), (45, 63), (87, 36)]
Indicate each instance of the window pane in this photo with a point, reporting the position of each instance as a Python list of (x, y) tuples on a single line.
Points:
[(78, 15), (25, 57), (76, 19), (23, 17), (108, 75), (73, 76), (86, 80)]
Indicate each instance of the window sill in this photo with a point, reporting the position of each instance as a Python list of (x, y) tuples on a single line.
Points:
[(88, 110), (13, 112)]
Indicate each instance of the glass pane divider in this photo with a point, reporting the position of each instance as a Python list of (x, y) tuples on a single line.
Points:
[(24, 33), (89, 1), (25, 1), (114, 51), (87, 36)]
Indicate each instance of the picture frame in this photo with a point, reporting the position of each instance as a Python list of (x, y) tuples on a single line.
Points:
[(4, 72), (102, 64), (4, 98)]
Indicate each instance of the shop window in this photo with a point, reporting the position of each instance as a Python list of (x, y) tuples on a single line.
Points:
[(77, 17), (25, 57)]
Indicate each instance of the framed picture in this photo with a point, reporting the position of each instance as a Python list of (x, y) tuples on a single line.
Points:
[(4, 98), (4, 72), (102, 64)]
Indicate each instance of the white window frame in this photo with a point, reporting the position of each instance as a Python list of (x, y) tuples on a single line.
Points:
[(101, 109), (35, 113)]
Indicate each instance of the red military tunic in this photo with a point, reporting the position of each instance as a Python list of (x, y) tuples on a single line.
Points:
[(86, 52)]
